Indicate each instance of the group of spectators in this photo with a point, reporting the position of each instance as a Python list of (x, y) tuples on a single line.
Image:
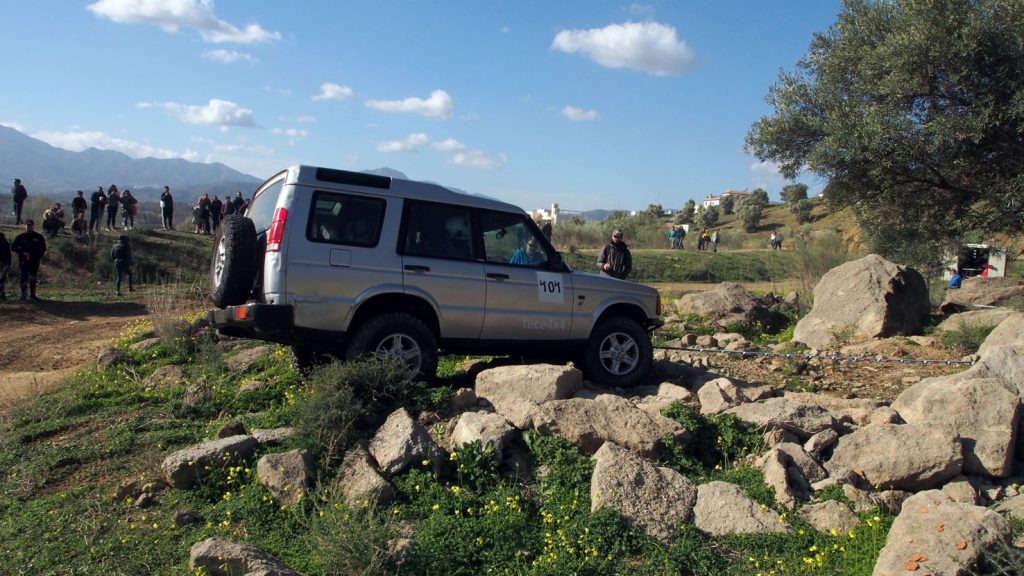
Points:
[(103, 208)]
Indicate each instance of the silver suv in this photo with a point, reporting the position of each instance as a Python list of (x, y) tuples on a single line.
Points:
[(346, 264)]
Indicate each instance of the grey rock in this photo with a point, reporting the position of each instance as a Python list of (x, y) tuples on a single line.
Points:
[(169, 375), (850, 410), (247, 359), (1012, 507), (231, 428), (885, 415), (286, 475), (886, 501), (482, 427), (728, 303), (196, 395), (516, 391), (828, 516), (982, 411), (721, 394), (984, 291), (803, 420), (186, 517), (144, 344), (960, 489), (462, 399), (654, 498), (252, 386), (400, 441), (223, 557), (110, 357), (184, 468), (939, 536), (361, 483), (785, 478), (809, 467), (818, 444), (868, 298), (723, 508), (590, 423), (906, 457), (273, 436)]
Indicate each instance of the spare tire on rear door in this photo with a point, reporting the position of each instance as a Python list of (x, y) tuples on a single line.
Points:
[(233, 265)]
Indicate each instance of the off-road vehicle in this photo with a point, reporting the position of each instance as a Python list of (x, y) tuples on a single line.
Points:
[(342, 263)]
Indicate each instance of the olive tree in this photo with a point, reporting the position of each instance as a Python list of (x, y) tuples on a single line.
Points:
[(709, 217), (913, 110), (728, 203), (793, 193)]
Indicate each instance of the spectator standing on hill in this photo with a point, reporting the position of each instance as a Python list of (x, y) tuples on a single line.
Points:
[(121, 255), (197, 219), (5, 265), (98, 201), (129, 205), (30, 247), (167, 208), (78, 204), (113, 205), (18, 194), (216, 207), (615, 259), (715, 238), (204, 213), (239, 202)]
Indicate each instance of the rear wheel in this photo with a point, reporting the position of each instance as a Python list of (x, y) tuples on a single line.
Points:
[(398, 336), (619, 353), (233, 264)]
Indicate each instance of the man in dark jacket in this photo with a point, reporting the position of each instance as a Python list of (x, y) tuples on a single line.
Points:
[(615, 259), (98, 201), (5, 264), (78, 204), (121, 255), (216, 206), (19, 194), (239, 202), (30, 247), (167, 208)]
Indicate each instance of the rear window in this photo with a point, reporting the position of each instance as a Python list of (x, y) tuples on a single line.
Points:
[(261, 209), (345, 219)]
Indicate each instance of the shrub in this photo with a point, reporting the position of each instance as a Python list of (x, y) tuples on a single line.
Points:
[(967, 339)]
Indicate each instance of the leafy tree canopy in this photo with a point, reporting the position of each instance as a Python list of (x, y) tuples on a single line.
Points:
[(914, 111), (685, 215), (793, 193), (709, 217), (727, 204)]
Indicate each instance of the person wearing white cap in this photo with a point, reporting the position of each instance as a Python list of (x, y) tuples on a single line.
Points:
[(615, 259)]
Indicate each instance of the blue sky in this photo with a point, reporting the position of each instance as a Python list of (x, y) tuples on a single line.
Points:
[(588, 103)]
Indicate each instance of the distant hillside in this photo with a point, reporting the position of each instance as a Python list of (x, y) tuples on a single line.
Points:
[(56, 172)]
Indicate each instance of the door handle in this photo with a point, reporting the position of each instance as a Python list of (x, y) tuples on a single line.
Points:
[(417, 268), (497, 275)]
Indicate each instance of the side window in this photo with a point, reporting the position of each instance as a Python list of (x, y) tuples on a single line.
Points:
[(438, 231), (345, 219), (508, 239)]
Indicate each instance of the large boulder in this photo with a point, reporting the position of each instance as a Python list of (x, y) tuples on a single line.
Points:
[(723, 508), (654, 498), (983, 411), (803, 420), (608, 418), (1001, 355), (361, 484), (828, 516), (783, 475), (866, 298), (722, 393), (482, 427), (982, 291), (902, 456), (516, 391), (850, 410), (728, 303), (935, 535), (223, 557)]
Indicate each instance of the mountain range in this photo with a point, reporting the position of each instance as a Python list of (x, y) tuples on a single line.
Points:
[(58, 173)]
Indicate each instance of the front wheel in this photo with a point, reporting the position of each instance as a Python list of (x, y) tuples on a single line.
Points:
[(619, 353), (397, 336)]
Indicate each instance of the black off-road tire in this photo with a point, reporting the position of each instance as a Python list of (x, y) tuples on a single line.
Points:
[(397, 335), (619, 353), (234, 260)]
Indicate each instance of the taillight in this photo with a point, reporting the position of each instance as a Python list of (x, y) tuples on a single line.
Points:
[(276, 230)]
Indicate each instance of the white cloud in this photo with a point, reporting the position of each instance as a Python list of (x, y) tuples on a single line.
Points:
[(171, 15), (765, 168), (448, 145), (78, 141), (578, 115), (14, 125), (229, 56), (411, 143), (306, 119), (438, 105), (244, 148), (332, 91), (646, 46), (291, 132), (221, 113), (480, 160)]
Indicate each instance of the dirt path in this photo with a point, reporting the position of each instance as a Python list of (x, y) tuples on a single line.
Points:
[(42, 343)]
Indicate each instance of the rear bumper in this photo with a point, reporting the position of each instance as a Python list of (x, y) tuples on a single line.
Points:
[(263, 321)]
